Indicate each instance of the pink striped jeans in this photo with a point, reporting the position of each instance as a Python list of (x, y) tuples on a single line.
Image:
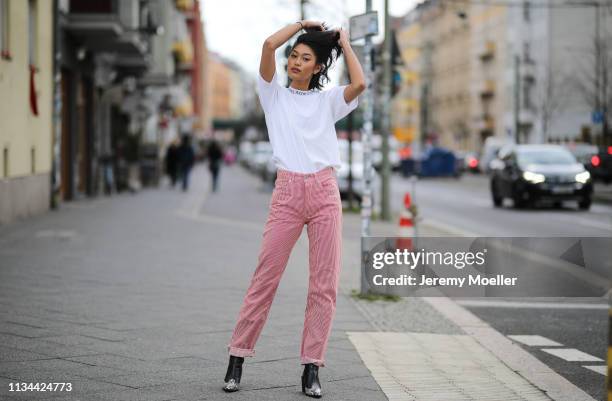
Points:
[(312, 199)]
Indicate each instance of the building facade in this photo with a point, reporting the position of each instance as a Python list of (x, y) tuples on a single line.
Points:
[(475, 70), (26, 90), (97, 89)]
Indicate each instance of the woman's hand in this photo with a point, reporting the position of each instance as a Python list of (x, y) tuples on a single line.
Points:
[(313, 25), (343, 40)]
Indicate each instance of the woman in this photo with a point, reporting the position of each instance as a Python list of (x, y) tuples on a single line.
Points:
[(300, 121)]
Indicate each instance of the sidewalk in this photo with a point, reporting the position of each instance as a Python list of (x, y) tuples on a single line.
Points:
[(134, 297)]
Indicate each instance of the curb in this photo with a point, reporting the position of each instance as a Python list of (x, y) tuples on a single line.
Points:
[(512, 355), (509, 353)]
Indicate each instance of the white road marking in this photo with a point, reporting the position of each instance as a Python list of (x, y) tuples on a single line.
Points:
[(512, 355), (473, 303), (451, 229), (572, 355), (601, 369), (607, 226), (535, 341), (596, 224)]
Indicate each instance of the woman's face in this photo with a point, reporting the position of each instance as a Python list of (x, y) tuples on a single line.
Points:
[(302, 63)]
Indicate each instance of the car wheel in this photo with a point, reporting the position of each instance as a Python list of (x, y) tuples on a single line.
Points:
[(498, 200), (585, 204)]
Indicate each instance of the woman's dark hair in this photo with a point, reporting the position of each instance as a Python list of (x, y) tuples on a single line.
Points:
[(326, 48)]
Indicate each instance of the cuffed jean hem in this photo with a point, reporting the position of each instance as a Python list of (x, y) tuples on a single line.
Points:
[(240, 351), (319, 362)]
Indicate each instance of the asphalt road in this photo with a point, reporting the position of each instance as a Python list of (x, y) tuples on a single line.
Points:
[(466, 203), (585, 330), (578, 325)]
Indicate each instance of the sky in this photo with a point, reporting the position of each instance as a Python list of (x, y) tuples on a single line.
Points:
[(236, 29)]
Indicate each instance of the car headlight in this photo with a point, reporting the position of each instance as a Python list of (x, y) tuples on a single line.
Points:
[(583, 177), (532, 177)]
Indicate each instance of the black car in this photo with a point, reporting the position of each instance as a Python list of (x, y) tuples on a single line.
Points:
[(598, 161), (529, 173), (600, 165)]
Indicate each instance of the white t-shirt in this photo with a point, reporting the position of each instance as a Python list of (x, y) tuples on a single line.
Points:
[(301, 124)]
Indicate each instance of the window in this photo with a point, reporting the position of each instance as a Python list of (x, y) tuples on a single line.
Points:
[(32, 32), (4, 29), (526, 11), (5, 162)]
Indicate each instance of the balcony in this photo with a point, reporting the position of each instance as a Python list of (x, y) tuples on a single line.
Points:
[(106, 26), (527, 117), (96, 31), (183, 54), (487, 50), (485, 123), (487, 88), (184, 5), (527, 71)]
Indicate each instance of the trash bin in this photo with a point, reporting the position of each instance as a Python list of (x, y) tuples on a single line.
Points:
[(408, 167), (438, 162)]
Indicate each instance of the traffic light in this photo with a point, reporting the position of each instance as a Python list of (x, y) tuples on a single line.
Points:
[(396, 62), (396, 82), (373, 57)]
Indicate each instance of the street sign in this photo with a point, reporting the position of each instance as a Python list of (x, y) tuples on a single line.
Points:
[(363, 25), (597, 117), (404, 134)]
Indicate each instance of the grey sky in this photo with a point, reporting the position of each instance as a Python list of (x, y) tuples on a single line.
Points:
[(237, 28)]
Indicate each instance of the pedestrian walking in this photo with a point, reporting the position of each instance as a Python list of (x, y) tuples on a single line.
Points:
[(171, 162), (186, 159), (215, 158), (301, 125)]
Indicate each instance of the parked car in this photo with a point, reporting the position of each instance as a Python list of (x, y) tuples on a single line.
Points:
[(394, 153), (601, 165), (269, 175), (530, 173), (460, 161), (245, 152), (471, 162), (489, 152), (438, 162), (356, 170), (583, 152), (262, 152)]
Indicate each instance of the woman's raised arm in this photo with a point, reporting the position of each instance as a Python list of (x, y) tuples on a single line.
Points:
[(357, 78), (267, 65)]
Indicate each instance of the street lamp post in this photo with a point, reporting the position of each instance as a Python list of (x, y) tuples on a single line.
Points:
[(364, 26)]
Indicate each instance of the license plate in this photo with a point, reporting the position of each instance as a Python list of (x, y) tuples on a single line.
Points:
[(562, 190)]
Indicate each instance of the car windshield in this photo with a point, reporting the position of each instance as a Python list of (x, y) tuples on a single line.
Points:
[(541, 156), (584, 150)]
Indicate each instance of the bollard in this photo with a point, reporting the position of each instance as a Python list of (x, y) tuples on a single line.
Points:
[(406, 226)]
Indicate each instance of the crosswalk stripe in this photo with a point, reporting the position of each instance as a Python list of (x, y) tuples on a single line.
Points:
[(535, 341), (485, 303), (601, 369), (572, 355)]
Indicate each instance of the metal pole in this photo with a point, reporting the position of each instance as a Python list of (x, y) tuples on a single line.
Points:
[(385, 123), (56, 176), (349, 128), (413, 181), (366, 201), (366, 198), (517, 97)]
